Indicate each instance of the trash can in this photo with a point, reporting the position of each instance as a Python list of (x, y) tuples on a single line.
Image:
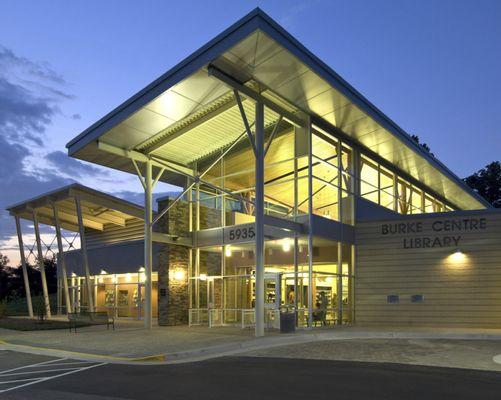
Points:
[(287, 321)]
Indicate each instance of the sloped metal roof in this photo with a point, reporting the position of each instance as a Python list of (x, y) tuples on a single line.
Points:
[(187, 114), (98, 209)]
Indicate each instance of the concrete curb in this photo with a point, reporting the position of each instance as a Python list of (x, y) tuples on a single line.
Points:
[(210, 352)]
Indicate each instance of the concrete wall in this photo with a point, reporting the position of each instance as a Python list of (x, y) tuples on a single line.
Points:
[(414, 255)]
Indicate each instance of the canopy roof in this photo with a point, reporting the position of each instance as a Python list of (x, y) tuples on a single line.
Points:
[(98, 209), (190, 112)]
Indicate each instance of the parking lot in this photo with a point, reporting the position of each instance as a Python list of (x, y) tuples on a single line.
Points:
[(20, 370), (35, 377)]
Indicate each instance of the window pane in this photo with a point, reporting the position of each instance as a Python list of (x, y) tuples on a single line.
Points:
[(369, 181)]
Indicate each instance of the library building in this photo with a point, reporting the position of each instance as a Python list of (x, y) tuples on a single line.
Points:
[(296, 196)]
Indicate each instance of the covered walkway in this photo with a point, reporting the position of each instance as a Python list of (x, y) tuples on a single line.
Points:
[(74, 208)]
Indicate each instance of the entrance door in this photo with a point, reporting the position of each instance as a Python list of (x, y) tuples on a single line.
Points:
[(272, 299), (272, 291)]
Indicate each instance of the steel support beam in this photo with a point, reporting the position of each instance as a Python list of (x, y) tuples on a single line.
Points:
[(41, 264), (23, 265), (247, 91), (148, 244), (138, 156), (259, 215), (83, 252), (61, 262), (339, 289), (310, 230)]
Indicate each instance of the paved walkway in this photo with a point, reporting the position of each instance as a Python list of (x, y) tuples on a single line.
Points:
[(468, 354), (130, 342)]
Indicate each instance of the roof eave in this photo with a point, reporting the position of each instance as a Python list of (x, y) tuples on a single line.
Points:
[(256, 19)]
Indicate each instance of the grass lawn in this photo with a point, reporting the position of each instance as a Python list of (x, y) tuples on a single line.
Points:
[(26, 324), (19, 307)]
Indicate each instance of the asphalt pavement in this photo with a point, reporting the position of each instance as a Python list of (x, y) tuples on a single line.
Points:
[(241, 378)]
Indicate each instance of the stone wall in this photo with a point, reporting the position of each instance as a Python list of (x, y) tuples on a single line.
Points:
[(173, 295), (173, 262)]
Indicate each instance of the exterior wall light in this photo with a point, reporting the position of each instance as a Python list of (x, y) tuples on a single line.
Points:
[(457, 257), (179, 275), (128, 277), (203, 277), (286, 245), (227, 251), (100, 279), (142, 275)]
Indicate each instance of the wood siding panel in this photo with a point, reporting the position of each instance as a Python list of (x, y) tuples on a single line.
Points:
[(457, 293), (133, 230)]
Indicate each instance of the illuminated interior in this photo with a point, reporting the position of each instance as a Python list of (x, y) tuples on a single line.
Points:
[(121, 295)]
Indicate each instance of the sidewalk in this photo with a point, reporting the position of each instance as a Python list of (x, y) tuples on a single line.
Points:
[(131, 343)]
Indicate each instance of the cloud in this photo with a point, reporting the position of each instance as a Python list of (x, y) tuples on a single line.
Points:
[(31, 94), (293, 12), (9, 62), (18, 184), (138, 197), (71, 166), (22, 114)]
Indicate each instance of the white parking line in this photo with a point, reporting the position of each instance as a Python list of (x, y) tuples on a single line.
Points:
[(21, 372), (32, 365), (42, 371), (19, 380)]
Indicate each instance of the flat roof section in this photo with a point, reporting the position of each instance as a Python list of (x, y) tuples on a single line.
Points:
[(191, 112), (98, 208)]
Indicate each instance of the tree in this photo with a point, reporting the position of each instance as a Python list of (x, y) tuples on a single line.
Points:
[(12, 280), (487, 183), (4, 276), (423, 145)]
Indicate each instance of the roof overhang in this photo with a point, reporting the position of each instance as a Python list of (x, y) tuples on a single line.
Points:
[(98, 209), (190, 111)]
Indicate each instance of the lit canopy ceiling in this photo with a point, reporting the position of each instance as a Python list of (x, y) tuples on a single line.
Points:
[(190, 113), (99, 210)]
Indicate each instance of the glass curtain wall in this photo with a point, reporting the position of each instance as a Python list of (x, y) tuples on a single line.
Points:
[(383, 187), (121, 295), (222, 277), (222, 285), (333, 178)]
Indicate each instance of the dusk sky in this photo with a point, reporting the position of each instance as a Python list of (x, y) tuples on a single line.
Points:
[(431, 66)]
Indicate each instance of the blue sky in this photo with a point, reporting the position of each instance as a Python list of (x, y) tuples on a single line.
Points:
[(431, 66)]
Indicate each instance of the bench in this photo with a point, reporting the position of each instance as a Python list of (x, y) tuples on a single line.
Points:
[(91, 318)]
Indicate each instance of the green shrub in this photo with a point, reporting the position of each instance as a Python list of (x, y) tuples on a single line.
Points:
[(3, 309), (39, 308)]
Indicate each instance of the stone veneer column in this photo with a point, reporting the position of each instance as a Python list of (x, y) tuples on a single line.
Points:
[(173, 295), (173, 298)]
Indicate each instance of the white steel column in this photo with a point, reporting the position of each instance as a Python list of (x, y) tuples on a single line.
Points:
[(310, 218), (41, 264), (61, 261), (339, 288), (259, 215), (23, 264), (83, 252), (195, 241), (148, 244)]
